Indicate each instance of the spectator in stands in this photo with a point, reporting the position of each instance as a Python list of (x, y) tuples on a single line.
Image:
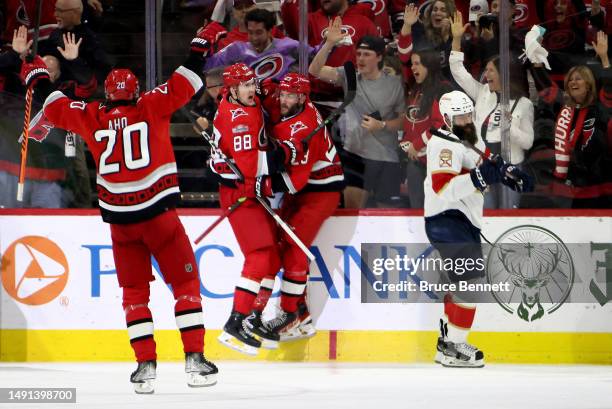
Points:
[(432, 32), (356, 23), (487, 109), (583, 154), (207, 104), (525, 13), (422, 114), (269, 57), (370, 123), (18, 13), (68, 14), (566, 31), (47, 166)]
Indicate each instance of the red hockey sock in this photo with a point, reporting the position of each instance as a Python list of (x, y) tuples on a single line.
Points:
[(189, 317), (460, 319), (139, 322), (244, 296), (265, 291), (293, 285)]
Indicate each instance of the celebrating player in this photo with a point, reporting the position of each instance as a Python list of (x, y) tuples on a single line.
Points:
[(314, 184), (456, 179), (137, 179)]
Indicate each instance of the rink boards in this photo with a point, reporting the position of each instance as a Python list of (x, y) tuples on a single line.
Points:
[(60, 300)]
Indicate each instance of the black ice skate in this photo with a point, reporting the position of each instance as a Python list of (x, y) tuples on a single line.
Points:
[(442, 342), (462, 355), (304, 328), (236, 337), (254, 326), (201, 372), (143, 377)]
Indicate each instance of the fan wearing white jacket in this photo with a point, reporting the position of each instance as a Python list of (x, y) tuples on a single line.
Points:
[(487, 114)]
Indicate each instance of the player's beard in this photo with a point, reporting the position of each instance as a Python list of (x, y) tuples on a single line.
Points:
[(291, 111), (466, 133)]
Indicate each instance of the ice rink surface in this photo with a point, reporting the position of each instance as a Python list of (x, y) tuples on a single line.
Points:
[(320, 386), (340, 385)]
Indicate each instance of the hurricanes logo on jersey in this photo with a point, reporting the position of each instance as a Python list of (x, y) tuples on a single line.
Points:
[(377, 6), (268, 67), (238, 112), (344, 29), (521, 13), (297, 127), (446, 158)]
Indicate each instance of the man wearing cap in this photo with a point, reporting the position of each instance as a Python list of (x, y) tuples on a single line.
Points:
[(370, 123)]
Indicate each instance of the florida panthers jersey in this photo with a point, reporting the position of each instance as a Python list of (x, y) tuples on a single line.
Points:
[(320, 170), (448, 184), (136, 171), (239, 133)]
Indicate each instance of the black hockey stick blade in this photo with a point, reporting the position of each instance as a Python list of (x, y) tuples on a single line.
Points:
[(30, 57)]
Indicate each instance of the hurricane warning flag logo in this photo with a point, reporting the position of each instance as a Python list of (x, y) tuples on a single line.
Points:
[(34, 270)]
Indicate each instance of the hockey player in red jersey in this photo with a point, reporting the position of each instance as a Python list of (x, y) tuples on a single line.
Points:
[(313, 185), (239, 133), (137, 180)]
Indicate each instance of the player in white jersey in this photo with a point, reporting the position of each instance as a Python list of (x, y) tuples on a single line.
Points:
[(457, 178)]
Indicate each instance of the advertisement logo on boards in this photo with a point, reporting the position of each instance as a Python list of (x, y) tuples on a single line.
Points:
[(34, 270)]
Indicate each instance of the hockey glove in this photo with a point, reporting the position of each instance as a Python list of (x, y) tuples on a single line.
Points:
[(488, 173), (267, 87), (516, 179), (207, 38), (261, 186), (293, 150), (32, 72)]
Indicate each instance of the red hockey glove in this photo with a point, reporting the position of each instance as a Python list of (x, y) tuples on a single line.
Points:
[(31, 72), (261, 186), (208, 37), (294, 151)]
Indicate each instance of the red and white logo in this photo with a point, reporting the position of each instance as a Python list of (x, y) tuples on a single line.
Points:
[(377, 6), (297, 127), (344, 29), (268, 67), (238, 112)]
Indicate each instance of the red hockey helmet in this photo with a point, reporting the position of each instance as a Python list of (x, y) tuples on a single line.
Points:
[(237, 74), (295, 83), (121, 85)]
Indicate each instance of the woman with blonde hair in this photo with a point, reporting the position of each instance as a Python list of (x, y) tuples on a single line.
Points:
[(582, 170)]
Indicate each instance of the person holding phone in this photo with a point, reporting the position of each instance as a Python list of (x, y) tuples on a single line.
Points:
[(370, 123)]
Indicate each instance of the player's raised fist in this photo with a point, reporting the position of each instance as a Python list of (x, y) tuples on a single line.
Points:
[(208, 37), (33, 71)]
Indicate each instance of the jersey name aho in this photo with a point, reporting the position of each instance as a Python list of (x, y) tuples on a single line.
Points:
[(136, 170)]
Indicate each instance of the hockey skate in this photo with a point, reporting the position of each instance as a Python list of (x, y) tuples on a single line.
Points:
[(144, 376), (235, 336), (302, 328), (200, 371), (254, 326), (282, 321), (462, 355), (441, 345)]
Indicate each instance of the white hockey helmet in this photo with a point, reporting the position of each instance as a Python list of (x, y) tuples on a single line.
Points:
[(454, 103)]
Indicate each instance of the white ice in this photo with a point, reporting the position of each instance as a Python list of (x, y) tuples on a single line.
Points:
[(321, 386)]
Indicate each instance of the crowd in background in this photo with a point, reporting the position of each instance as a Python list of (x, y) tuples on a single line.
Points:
[(407, 54)]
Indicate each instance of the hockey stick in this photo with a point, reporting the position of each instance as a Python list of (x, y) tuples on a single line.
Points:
[(28, 109), (261, 200), (226, 213), (351, 90), (468, 145)]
